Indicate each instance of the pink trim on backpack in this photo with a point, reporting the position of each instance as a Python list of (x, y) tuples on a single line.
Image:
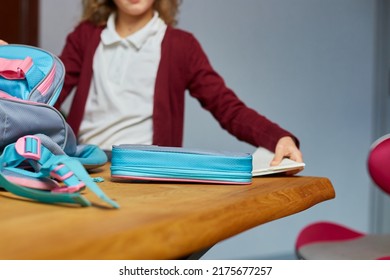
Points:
[(70, 189), (10, 97), (34, 184), (55, 175), (15, 69), (44, 87)]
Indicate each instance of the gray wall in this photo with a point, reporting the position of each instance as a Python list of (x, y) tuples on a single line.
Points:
[(307, 65)]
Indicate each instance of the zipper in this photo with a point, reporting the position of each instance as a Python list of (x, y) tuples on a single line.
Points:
[(44, 87)]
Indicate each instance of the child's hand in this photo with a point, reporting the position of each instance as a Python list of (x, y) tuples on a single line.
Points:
[(286, 148), (2, 42)]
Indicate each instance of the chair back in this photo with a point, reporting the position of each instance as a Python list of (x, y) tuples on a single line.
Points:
[(378, 163)]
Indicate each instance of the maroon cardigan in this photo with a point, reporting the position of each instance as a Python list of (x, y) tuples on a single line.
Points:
[(183, 66)]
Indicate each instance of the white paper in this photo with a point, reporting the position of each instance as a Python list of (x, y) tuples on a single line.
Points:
[(262, 159)]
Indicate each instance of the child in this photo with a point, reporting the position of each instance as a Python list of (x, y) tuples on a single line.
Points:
[(131, 68)]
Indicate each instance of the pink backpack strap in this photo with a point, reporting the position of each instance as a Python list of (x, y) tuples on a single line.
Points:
[(14, 69)]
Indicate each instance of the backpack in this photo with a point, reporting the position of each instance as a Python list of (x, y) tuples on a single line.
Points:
[(40, 158)]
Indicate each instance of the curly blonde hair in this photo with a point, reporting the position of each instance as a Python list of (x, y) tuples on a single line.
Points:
[(98, 11)]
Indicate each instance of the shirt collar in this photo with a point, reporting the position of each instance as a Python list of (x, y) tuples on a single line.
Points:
[(110, 36)]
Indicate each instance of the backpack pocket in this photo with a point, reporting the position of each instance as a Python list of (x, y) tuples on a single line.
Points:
[(19, 118)]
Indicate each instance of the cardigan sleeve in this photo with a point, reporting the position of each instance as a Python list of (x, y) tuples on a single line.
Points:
[(233, 115), (72, 58)]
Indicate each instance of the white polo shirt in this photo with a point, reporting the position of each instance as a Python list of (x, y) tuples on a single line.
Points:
[(120, 102)]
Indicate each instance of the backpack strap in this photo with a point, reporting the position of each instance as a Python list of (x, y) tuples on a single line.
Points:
[(45, 159), (21, 69), (46, 197)]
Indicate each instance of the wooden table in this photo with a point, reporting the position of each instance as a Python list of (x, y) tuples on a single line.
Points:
[(155, 221)]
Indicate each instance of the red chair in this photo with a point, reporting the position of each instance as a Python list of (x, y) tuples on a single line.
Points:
[(332, 241)]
